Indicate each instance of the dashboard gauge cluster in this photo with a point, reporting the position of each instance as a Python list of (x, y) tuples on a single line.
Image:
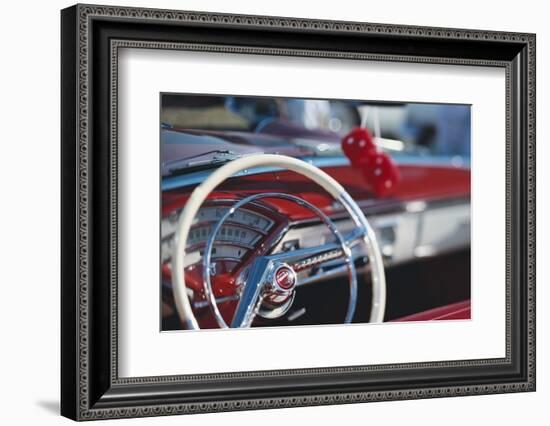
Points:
[(243, 217), (230, 233), (241, 233)]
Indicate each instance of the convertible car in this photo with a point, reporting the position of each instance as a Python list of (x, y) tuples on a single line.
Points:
[(281, 224)]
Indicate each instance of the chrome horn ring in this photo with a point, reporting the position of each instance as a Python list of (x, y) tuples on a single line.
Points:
[(271, 280)]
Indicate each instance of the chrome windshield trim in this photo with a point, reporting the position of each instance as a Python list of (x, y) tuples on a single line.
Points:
[(181, 181)]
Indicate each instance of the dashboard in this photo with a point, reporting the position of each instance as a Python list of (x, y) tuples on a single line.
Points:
[(408, 231)]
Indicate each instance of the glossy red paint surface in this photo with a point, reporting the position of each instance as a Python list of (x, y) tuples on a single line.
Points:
[(418, 182), (455, 311)]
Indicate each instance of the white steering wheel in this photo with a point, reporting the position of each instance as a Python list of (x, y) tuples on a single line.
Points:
[(265, 271)]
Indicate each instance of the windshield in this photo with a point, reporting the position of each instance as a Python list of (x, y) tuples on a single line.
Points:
[(216, 128)]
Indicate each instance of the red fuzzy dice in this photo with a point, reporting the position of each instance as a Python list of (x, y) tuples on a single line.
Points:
[(377, 167)]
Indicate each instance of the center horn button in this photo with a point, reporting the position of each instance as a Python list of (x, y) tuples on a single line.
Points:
[(283, 278), (278, 291)]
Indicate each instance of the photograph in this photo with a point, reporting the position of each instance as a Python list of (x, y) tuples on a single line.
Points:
[(279, 211)]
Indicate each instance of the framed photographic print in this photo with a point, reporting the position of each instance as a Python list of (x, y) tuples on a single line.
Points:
[(264, 212)]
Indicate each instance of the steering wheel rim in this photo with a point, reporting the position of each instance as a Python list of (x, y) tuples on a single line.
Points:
[(201, 192)]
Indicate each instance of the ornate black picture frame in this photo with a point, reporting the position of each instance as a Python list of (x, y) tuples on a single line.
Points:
[(90, 38)]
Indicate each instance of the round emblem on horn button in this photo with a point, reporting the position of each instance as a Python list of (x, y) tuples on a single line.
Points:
[(284, 277), (278, 291)]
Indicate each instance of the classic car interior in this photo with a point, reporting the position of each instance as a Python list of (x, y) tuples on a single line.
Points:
[(279, 226)]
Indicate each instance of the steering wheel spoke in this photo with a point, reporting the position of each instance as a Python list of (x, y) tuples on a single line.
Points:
[(306, 258), (355, 236), (251, 295)]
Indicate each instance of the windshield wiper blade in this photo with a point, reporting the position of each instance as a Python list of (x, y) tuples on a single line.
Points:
[(195, 162)]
